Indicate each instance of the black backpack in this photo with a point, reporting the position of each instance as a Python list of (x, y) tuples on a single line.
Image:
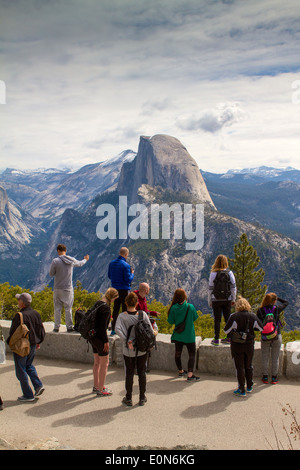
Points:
[(222, 284), (144, 336), (85, 322)]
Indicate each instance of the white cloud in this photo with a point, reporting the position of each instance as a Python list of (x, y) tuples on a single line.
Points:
[(85, 79), (213, 120)]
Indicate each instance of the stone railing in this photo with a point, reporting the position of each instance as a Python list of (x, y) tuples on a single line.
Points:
[(210, 359)]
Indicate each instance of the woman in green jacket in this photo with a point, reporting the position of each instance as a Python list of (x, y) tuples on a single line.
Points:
[(178, 310)]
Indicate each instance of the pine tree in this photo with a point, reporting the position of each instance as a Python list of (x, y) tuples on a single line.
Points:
[(248, 279)]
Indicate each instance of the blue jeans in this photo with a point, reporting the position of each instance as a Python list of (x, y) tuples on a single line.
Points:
[(24, 369)]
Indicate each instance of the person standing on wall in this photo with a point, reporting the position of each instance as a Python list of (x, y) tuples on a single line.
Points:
[(221, 294), (121, 275), (63, 295)]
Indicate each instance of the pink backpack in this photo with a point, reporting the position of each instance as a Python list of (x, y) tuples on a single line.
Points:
[(270, 328)]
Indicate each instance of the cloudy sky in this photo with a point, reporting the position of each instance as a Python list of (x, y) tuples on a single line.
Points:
[(85, 78)]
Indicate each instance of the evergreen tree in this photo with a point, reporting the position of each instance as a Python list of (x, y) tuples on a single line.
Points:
[(248, 279)]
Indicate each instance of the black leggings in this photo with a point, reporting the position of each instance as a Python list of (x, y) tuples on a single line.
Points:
[(140, 363), (242, 355), (220, 307), (191, 347)]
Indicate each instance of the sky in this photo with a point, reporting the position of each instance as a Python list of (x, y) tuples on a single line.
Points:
[(82, 80)]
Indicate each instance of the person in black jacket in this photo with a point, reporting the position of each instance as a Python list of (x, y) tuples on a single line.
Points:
[(100, 342), (274, 305), (24, 365), (242, 324)]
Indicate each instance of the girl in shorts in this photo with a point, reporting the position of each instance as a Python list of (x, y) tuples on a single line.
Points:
[(100, 343)]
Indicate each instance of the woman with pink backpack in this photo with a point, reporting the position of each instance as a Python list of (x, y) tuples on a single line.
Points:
[(271, 339)]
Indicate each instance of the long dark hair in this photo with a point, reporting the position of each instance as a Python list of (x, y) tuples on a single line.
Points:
[(268, 299), (178, 298)]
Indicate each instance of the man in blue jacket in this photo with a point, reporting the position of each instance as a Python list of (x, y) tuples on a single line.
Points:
[(121, 275)]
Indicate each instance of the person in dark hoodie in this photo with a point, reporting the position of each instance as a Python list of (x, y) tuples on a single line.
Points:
[(24, 365), (63, 295)]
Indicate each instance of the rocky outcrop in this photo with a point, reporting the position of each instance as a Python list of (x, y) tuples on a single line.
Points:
[(16, 227), (3, 200), (162, 161), (20, 239)]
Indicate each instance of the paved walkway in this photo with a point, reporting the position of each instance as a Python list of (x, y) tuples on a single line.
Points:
[(205, 413)]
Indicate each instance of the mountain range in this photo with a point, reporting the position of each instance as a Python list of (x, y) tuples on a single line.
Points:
[(39, 209), (266, 196)]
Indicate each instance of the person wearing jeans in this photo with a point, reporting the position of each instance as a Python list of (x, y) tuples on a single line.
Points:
[(24, 365), (24, 369)]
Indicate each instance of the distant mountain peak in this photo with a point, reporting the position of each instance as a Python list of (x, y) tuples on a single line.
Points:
[(125, 156), (261, 170)]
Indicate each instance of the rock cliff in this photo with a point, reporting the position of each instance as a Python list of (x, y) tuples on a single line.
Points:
[(162, 161)]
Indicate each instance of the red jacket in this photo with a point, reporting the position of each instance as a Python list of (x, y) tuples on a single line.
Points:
[(142, 302), (142, 305)]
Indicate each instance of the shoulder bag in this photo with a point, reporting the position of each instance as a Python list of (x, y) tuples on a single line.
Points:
[(181, 327), (19, 342)]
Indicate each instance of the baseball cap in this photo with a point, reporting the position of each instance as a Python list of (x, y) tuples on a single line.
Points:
[(25, 297)]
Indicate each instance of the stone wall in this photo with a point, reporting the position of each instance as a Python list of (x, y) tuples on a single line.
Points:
[(209, 360)]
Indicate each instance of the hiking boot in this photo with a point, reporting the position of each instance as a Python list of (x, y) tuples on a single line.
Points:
[(215, 342), (274, 380), (39, 391), (127, 402), (265, 379), (239, 393), (143, 401), (193, 378)]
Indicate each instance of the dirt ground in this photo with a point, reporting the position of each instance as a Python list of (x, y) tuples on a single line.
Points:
[(204, 414)]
